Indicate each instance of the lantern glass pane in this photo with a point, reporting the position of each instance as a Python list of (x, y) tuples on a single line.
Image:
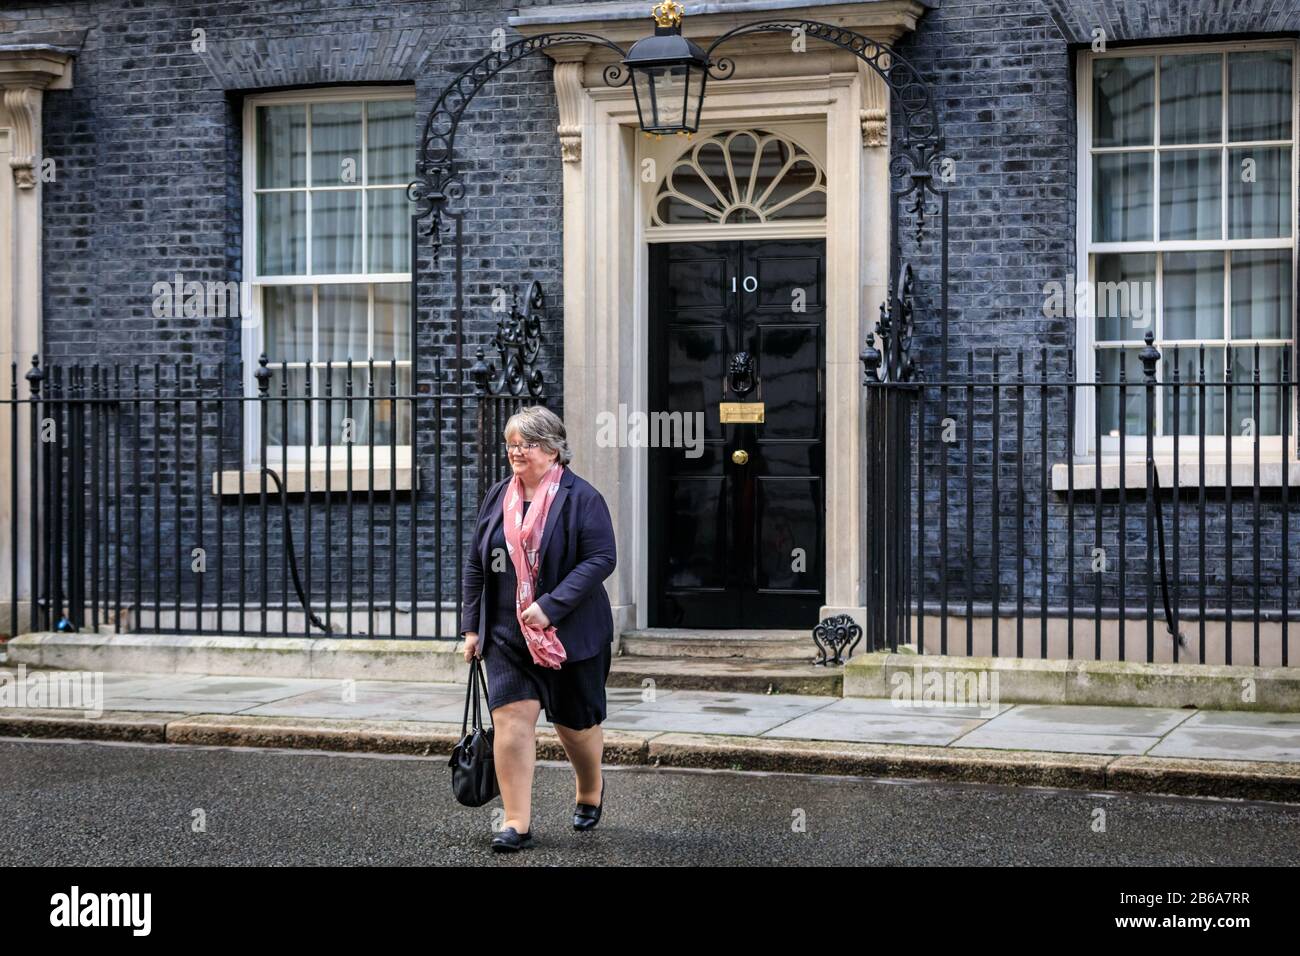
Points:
[(642, 81), (670, 96), (695, 97)]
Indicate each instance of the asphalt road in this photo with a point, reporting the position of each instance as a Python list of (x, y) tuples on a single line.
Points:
[(92, 804)]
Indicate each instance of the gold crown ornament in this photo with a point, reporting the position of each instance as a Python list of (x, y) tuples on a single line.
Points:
[(668, 14)]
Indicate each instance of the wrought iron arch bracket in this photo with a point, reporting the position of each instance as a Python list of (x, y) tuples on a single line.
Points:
[(913, 94), (438, 185)]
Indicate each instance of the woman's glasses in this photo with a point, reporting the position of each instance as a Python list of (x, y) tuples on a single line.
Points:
[(521, 446)]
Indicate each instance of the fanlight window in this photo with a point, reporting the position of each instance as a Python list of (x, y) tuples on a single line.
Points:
[(745, 176)]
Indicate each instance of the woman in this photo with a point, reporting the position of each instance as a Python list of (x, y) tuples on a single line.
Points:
[(536, 612)]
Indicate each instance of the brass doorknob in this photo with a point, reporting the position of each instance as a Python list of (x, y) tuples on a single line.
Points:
[(740, 456)]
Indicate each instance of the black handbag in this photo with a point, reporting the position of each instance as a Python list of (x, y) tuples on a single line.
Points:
[(473, 771)]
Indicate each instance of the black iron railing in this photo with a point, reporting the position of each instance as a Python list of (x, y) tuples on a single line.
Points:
[(163, 499), (994, 528)]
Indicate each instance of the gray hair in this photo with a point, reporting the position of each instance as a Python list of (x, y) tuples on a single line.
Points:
[(540, 424)]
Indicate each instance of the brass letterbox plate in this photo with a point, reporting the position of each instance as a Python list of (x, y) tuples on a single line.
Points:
[(741, 413)]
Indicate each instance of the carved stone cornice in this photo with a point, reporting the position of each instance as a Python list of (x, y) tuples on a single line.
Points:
[(568, 96), (25, 72), (875, 107), (23, 104)]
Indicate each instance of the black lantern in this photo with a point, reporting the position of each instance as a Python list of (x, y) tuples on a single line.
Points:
[(668, 74)]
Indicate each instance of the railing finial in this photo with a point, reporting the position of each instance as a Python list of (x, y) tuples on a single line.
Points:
[(1149, 357), (263, 374), (870, 358), (35, 375), (480, 371)]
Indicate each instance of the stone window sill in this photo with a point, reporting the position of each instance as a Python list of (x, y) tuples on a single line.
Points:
[(1135, 473), (226, 483)]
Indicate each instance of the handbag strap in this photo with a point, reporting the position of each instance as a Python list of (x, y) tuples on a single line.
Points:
[(471, 691)]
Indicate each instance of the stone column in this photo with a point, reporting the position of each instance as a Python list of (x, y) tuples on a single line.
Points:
[(588, 345), (875, 241), (846, 571), (25, 73)]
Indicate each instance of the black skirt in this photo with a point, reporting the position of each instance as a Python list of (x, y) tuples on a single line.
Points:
[(572, 696)]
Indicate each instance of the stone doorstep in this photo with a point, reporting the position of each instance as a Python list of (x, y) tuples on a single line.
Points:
[(728, 674), (787, 645), (1115, 683), (1249, 780), (754, 661)]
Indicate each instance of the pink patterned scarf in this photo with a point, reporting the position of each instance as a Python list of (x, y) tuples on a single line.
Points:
[(523, 543)]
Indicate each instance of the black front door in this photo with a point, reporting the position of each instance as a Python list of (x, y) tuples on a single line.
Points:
[(737, 532)]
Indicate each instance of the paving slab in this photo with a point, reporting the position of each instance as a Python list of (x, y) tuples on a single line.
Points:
[(878, 728), (692, 722), (1243, 719), (635, 695), (203, 689), (371, 703), (185, 705), (1087, 719), (397, 700), (405, 686), (118, 680), (126, 685), (621, 698), (989, 738), (739, 705), (890, 707), (264, 690), (1219, 743), (206, 695)]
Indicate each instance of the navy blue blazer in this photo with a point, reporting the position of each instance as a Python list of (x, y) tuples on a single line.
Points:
[(578, 554)]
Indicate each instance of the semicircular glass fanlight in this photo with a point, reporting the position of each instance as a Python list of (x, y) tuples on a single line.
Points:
[(741, 176)]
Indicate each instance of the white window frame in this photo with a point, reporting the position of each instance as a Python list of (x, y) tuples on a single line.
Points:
[(253, 327), (1243, 447)]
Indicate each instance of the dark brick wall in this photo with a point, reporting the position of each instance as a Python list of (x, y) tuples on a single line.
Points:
[(148, 146), (1004, 79), (149, 182)]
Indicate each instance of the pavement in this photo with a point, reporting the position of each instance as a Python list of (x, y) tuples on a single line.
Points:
[(1242, 754)]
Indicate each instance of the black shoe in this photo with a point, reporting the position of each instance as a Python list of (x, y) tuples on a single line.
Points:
[(509, 840), (585, 816)]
